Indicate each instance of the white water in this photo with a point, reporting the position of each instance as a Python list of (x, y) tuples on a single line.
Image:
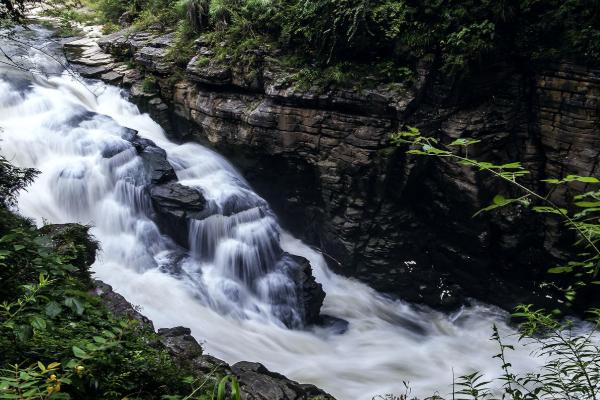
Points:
[(387, 342)]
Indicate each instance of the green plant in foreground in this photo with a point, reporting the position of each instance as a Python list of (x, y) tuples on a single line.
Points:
[(582, 215), (570, 356)]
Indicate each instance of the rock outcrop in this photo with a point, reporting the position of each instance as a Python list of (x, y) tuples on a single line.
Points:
[(75, 241), (323, 160), (256, 381)]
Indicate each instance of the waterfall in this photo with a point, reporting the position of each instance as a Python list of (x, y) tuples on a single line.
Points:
[(233, 286)]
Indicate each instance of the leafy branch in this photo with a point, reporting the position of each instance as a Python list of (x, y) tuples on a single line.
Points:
[(583, 222)]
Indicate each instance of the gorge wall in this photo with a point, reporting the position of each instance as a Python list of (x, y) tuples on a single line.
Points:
[(323, 160)]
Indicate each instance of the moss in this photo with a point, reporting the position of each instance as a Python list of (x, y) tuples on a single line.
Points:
[(202, 61), (149, 84)]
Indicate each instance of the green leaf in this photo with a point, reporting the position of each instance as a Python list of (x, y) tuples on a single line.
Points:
[(80, 353), (584, 179), (588, 204), (513, 165), (53, 309), (464, 142), (560, 270), (53, 365), (553, 181), (23, 332), (99, 339), (550, 210), (18, 247), (74, 305), (38, 323), (500, 201)]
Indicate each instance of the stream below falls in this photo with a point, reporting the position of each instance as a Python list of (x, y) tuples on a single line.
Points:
[(74, 133)]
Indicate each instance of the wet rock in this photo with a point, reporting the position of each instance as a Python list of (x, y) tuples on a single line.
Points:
[(118, 305), (112, 77), (177, 201), (333, 324), (74, 49), (258, 383), (180, 343), (310, 293), (174, 205), (94, 72), (156, 165)]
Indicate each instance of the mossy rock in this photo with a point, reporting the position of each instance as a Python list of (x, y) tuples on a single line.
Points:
[(74, 241)]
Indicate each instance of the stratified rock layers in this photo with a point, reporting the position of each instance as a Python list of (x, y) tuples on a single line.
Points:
[(324, 162)]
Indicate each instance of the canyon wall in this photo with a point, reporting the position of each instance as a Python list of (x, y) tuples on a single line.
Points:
[(323, 160)]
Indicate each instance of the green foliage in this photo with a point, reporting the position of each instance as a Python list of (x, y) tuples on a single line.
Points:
[(222, 387), (149, 84), (57, 341), (387, 37), (111, 10), (570, 367), (12, 180)]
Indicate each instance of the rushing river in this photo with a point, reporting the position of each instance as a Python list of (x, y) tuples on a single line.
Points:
[(65, 129)]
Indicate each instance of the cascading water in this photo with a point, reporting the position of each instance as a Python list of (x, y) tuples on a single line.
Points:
[(233, 287)]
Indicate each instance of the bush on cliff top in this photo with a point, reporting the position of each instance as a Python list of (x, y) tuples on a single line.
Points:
[(461, 35)]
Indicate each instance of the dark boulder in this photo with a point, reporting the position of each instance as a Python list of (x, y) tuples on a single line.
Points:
[(175, 204), (310, 293), (336, 325), (258, 383), (177, 201), (180, 343), (154, 158)]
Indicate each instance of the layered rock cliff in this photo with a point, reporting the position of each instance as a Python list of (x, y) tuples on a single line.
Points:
[(323, 160)]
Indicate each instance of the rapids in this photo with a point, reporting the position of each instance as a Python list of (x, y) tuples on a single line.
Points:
[(64, 128)]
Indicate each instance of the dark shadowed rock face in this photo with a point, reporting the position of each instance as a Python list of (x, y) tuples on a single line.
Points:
[(180, 342), (177, 200)]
